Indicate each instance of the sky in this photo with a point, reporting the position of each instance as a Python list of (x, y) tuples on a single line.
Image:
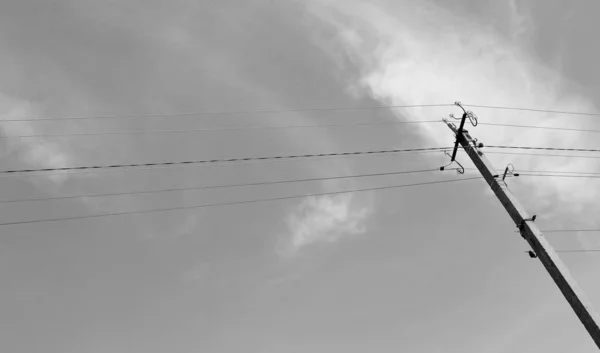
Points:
[(436, 268)]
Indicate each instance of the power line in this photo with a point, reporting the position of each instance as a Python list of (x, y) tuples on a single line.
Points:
[(560, 176), (268, 111), (568, 174), (238, 128), (235, 202), (556, 171), (219, 186), (542, 155), (545, 148), (569, 230), (579, 250), (531, 110), (218, 164), (247, 159), (539, 127), (125, 169), (271, 111), (186, 166), (223, 160), (285, 127)]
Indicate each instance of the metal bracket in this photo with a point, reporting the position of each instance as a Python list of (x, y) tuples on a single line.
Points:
[(532, 219), (466, 114), (508, 171), (447, 122), (472, 117), (532, 254), (459, 170)]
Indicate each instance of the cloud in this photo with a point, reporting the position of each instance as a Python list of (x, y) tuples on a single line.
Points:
[(36, 153), (410, 52), (323, 219)]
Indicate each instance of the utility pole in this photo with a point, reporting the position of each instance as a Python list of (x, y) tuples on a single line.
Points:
[(541, 248)]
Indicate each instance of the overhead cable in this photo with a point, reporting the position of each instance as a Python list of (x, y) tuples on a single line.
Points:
[(545, 148), (102, 215), (239, 112), (568, 174), (283, 127), (113, 166), (539, 127), (532, 110), (568, 230), (561, 175), (557, 172), (237, 128), (541, 154), (246, 159), (579, 250), (271, 111), (220, 186), (189, 166)]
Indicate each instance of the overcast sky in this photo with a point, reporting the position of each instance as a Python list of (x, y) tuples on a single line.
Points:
[(425, 269)]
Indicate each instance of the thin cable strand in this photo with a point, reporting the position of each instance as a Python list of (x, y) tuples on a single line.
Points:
[(531, 110), (539, 127), (579, 250), (219, 186), (248, 159), (568, 230), (560, 176), (186, 166), (222, 160), (234, 202), (539, 172), (286, 127), (269, 111), (555, 172), (239, 128), (541, 154), (545, 148)]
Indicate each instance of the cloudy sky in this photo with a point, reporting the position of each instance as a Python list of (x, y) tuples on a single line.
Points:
[(425, 269)]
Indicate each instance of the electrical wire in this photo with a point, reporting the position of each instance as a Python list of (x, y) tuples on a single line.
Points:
[(555, 172), (271, 111), (189, 166), (531, 110), (186, 166), (545, 148), (238, 128), (219, 186), (555, 231), (102, 215), (560, 176), (249, 159), (240, 112), (286, 127), (568, 230), (579, 250), (223, 160), (542, 155), (539, 172), (539, 127)]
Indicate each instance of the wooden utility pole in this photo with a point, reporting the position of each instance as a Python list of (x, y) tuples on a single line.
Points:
[(540, 247)]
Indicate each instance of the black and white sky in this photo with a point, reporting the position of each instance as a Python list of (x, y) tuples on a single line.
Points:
[(425, 269)]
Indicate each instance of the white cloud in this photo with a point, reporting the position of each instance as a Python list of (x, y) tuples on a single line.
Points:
[(323, 219), (412, 52), (35, 153)]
